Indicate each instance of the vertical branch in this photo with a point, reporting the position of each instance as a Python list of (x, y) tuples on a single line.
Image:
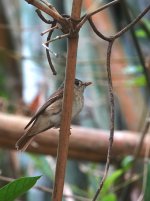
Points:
[(63, 144), (111, 121)]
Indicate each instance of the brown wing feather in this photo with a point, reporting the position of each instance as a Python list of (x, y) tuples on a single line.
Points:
[(52, 98)]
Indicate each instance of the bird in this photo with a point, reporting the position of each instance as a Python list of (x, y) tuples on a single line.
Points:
[(49, 115)]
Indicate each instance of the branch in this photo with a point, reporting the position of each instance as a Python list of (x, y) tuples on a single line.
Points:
[(118, 34), (111, 40), (63, 144), (125, 142), (111, 138), (87, 16), (47, 51), (46, 9)]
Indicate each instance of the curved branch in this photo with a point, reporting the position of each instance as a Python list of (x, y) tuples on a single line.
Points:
[(111, 137), (42, 17), (47, 51), (98, 33), (87, 16)]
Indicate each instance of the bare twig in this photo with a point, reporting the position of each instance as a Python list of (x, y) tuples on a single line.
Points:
[(132, 23), (42, 17), (87, 16), (98, 33), (48, 30), (70, 28), (112, 121), (47, 50), (111, 39), (57, 38), (53, 26), (46, 9)]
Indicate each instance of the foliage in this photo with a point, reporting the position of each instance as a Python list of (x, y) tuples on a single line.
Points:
[(140, 32), (42, 164), (147, 185), (112, 179), (17, 187)]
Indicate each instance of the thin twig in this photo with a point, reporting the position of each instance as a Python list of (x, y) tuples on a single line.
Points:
[(48, 30), (41, 6), (111, 39), (47, 50), (87, 16), (50, 6), (109, 49), (98, 33), (57, 38), (118, 34), (42, 17), (122, 31), (70, 73)]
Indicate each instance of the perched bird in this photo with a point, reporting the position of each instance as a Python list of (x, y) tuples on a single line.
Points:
[(49, 115)]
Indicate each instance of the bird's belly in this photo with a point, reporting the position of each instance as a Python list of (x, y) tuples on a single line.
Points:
[(55, 120), (77, 106)]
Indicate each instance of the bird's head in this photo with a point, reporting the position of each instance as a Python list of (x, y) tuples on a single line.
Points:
[(81, 85)]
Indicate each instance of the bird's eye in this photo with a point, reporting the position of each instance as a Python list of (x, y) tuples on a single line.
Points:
[(77, 82)]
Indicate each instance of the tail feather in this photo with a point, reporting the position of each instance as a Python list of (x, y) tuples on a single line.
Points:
[(40, 125), (24, 142)]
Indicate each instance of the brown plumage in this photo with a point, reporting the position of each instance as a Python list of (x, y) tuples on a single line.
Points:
[(49, 115)]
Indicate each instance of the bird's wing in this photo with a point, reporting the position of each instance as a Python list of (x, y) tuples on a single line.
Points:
[(56, 95)]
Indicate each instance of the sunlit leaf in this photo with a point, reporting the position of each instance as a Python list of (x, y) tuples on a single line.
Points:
[(16, 188), (109, 197)]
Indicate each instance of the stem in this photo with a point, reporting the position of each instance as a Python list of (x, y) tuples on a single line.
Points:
[(63, 144)]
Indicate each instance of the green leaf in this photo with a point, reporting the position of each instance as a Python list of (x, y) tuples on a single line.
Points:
[(109, 197), (16, 188), (140, 33), (110, 180), (138, 81), (127, 162)]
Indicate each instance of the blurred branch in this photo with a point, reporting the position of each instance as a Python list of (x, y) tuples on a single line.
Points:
[(12, 127), (136, 44)]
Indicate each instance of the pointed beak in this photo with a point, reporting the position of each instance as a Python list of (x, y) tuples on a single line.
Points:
[(87, 83)]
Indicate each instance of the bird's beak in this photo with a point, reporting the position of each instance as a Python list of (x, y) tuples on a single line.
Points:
[(87, 83)]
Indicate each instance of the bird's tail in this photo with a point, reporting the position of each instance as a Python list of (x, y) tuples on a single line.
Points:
[(24, 142)]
